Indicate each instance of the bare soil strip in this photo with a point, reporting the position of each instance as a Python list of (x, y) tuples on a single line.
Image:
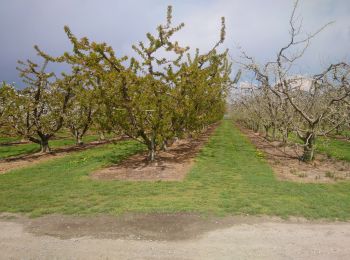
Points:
[(170, 165), (171, 236), (32, 159), (284, 161)]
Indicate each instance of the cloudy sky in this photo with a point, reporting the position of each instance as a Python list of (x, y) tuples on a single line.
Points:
[(259, 27)]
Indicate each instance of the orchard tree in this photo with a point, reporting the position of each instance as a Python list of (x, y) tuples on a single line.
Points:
[(201, 98), (308, 106), (322, 108), (38, 109), (85, 107), (139, 95)]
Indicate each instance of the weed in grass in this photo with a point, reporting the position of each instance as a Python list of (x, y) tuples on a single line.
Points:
[(260, 154)]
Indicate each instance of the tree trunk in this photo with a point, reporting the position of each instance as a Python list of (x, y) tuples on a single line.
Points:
[(78, 139), (274, 132), (267, 128), (338, 130), (102, 136), (256, 128), (151, 155), (309, 147), (152, 150), (285, 135), (164, 146), (44, 144)]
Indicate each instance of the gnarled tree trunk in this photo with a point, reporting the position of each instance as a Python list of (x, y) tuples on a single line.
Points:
[(309, 147)]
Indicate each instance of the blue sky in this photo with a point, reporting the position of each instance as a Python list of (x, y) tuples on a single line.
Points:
[(259, 27)]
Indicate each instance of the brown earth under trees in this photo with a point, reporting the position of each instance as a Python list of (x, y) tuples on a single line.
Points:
[(170, 165), (285, 162)]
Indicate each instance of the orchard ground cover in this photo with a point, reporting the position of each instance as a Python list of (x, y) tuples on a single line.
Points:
[(228, 177)]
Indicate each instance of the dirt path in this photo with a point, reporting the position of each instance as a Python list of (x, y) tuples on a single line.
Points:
[(171, 237)]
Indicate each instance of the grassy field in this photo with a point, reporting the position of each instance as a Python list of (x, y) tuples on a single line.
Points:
[(21, 149), (229, 177)]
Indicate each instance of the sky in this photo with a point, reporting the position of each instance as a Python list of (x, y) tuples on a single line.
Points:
[(260, 28)]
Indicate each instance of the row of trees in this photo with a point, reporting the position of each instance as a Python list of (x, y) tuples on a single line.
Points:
[(162, 93), (280, 101)]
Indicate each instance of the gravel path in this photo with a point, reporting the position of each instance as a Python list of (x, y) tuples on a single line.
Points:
[(257, 238)]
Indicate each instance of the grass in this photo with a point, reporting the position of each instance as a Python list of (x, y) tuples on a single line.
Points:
[(229, 177), (346, 133), (16, 150), (21, 149), (7, 139), (338, 149)]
